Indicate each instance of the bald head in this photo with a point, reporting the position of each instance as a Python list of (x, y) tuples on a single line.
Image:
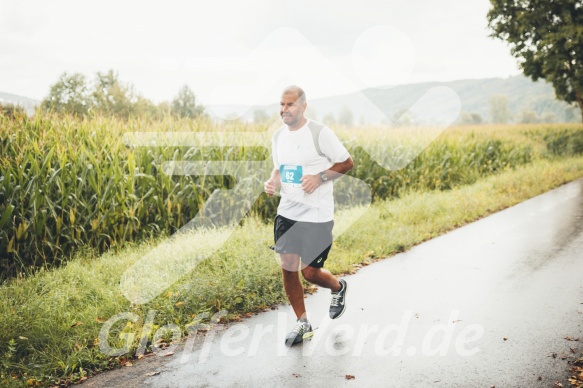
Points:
[(299, 92)]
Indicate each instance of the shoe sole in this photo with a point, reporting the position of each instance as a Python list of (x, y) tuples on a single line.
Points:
[(344, 305), (306, 336)]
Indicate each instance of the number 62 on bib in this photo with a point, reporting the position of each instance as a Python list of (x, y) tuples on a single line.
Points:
[(290, 175)]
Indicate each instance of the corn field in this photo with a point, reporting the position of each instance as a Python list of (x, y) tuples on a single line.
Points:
[(67, 184)]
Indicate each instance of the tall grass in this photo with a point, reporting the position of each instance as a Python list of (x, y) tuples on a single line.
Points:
[(69, 183), (50, 320)]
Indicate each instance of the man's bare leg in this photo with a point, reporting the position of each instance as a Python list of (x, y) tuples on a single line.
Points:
[(324, 278), (292, 284), (321, 277)]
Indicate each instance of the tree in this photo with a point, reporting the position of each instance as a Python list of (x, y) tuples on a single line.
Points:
[(163, 109), (549, 117), (184, 104), (11, 111), (402, 118), (547, 39), (70, 94), (345, 116), (528, 116), (329, 119), (311, 113), (470, 118), (570, 115), (260, 116), (112, 97), (499, 111), (144, 107), (109, 96)]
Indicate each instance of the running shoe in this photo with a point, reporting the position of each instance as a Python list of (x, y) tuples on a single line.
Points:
[(301, 331), (338, 303)]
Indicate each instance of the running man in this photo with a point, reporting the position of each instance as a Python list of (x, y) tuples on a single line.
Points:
[(307, 157)]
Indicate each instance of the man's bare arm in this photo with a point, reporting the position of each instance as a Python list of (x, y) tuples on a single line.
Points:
[(271, 185), (339, 169), (311, 182)]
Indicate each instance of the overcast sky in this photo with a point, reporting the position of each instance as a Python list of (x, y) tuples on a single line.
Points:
[(243, 52)]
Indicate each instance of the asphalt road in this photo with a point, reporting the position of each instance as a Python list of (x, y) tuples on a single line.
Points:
[(489, 304)]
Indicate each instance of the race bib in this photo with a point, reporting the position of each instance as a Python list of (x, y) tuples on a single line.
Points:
[(290, 175)]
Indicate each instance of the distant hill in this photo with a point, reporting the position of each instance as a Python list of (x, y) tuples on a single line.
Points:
[(28, 104), (375, 105), (522, 93)]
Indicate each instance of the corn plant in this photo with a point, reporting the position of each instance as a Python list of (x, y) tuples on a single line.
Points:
[(69, 183)]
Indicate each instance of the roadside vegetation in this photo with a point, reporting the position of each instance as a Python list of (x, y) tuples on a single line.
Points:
[(83, 227), (75, 183)]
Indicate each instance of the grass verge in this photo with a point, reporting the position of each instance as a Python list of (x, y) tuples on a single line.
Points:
[(50, 321)]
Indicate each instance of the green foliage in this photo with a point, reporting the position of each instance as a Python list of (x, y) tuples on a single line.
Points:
[(564, 143), (345, 116), (112, 97), (499, 111), (402, 118), (184, 104), (69, 183), (260, 116), (528, 116), (329, 119), (50, 321), (547, 38), (470, 118), (12, 111), (444, 165), (70, 94), (569, 114), (549, 117), (107, 95)]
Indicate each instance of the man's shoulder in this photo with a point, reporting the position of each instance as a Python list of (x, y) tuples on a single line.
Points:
[(319, 125), (278, 132)]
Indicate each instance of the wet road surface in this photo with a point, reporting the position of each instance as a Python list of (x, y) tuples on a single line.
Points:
[(489, 304)]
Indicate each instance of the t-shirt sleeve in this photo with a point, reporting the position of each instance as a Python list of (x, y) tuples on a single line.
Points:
[(332, 147)]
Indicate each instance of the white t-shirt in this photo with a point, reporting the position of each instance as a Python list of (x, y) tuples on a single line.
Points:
[(295, 155)]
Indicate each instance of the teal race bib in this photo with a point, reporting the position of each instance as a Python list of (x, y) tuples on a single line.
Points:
[(290, 175)]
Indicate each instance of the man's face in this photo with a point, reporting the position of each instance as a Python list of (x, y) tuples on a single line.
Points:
[(291, 110)]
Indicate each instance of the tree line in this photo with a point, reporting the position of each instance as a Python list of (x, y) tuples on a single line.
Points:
[(77, 95), (500, 113)]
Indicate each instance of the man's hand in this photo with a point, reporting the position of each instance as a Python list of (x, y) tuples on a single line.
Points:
[(310, 183), (270, 186), (272, 183)]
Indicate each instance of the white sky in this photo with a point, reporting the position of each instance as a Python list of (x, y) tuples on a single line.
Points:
[(234, 52)]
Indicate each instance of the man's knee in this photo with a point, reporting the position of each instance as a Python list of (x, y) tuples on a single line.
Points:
[(311, 273)]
